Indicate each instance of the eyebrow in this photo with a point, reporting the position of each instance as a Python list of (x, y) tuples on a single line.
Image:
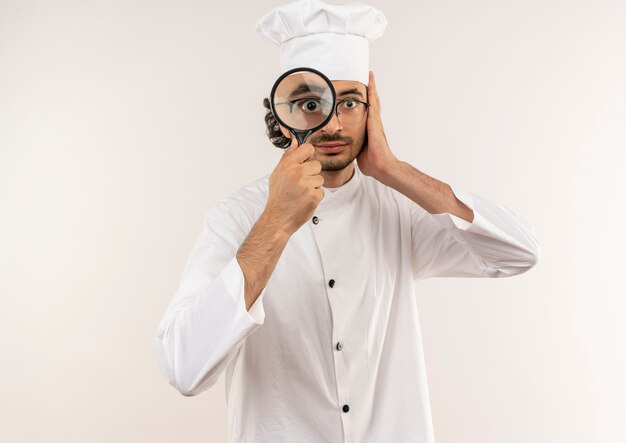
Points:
[(304, 87), (351, 91)]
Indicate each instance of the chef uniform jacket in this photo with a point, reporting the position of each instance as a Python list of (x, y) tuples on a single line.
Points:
[(331, 350)]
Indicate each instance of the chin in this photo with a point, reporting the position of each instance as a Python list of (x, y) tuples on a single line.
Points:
[(329, 164)]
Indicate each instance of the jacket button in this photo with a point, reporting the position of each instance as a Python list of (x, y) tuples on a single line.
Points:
[(315, 220), (331, 283), (346, 408), (339, 346)]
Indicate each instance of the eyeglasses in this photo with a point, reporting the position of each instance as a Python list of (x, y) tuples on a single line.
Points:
[(349, 111)]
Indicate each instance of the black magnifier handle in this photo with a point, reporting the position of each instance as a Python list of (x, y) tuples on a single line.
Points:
[(301, 136)]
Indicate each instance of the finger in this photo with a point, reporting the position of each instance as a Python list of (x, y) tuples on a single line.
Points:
[(312, 167), (303, 153), (316, 181), (292, 147), (374, 121), (372, 92)]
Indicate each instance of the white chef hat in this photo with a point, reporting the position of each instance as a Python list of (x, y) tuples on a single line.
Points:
[(333, 39)]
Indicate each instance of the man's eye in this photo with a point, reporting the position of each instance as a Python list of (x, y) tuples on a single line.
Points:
[(350, 104), (309, 105)]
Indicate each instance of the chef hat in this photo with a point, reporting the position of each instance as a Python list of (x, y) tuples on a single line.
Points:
[(333, 39)]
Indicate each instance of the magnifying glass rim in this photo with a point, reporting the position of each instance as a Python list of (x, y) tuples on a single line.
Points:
[(291, 71)]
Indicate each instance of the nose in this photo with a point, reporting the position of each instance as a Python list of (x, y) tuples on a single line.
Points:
[(333, 125)]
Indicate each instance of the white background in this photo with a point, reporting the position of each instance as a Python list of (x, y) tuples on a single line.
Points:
[(122, 122)]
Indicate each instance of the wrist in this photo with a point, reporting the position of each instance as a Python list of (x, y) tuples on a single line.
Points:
[(270, 222), (389, 171)]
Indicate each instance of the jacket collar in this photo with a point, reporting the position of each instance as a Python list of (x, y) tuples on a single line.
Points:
[(343, 194)]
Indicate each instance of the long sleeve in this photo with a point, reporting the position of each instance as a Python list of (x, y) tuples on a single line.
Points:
[(206, 322), (497, 243)]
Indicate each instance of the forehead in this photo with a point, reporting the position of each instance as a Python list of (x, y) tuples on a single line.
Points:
[(349, 85)]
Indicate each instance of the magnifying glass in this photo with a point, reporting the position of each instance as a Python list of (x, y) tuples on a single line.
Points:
[(303, 101)]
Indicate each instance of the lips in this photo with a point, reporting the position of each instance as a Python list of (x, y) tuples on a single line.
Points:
[(331, 147)]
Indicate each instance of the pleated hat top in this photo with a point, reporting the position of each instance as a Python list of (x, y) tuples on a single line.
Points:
[(333, 39)]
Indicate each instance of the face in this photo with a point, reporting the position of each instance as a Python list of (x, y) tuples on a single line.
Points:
[(348, 139)]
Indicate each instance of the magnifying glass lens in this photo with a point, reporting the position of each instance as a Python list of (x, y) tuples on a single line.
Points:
[(303, 100)]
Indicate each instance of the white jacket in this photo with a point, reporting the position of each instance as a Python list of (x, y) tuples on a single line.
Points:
[(331, 350)]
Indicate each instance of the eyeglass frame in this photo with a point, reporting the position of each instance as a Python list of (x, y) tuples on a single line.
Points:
[(337, 103)]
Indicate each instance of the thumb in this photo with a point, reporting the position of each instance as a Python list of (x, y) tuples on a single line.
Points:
[(292, 147)]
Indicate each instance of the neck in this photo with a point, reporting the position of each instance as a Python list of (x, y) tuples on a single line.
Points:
[(335, 179)]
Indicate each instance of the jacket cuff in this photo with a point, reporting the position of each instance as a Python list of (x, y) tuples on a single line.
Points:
[(451, 221), (490, 220), (234, 281)]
